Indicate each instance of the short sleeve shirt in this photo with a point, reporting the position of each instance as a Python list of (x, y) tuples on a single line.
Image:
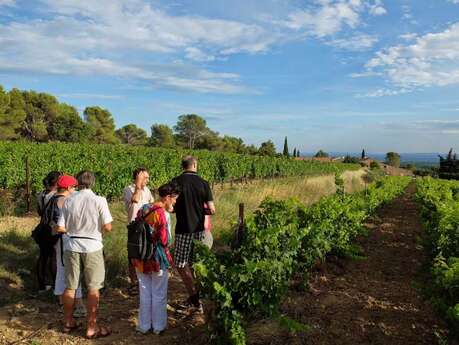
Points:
[(83, 215), (194, 193), (132, 208), (42, 200)]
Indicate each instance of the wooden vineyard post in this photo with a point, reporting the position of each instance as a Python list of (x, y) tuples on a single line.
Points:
[(239, 235), (27, 167)]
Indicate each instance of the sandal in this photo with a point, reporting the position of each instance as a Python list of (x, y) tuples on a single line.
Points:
[(133, 290), (69, 329), (101, 332)]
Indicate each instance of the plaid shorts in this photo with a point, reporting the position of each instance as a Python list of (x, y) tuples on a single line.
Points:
[(183, 251)]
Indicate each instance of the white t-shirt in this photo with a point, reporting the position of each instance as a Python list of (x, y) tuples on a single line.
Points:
[(133, 207), (83, 215)]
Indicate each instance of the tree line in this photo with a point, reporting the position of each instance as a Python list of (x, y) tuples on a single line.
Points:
[(40, 117)]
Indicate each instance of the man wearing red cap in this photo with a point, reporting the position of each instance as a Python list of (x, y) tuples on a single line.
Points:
[(65, 186)]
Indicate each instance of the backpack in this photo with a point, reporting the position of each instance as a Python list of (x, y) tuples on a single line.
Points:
[(43, 232), (139, 243)]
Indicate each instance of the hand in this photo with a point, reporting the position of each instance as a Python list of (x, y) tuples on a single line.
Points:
[(60, 230)]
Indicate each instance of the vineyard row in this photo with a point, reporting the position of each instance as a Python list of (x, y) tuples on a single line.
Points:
[(283, 238), (113, 165), (439, 200)]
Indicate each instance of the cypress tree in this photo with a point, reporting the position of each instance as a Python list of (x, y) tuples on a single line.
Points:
[(363, 154), (285, 152), (294, 152)]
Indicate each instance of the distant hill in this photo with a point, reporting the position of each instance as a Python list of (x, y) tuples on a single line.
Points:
[(417, 159)]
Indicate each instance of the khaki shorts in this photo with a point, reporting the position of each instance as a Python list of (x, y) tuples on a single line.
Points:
[(92, 265)]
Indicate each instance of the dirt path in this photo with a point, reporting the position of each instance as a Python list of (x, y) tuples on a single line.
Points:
[(37, 322), (374, 300)]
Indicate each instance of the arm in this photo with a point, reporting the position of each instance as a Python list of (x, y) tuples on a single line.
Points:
[(106, 217), (211, 206), (107, 227), (210, 199), (136, 196), (138, 188), (57, 211), (60, 226)]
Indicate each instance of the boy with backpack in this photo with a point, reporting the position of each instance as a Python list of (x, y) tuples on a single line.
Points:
[(42, 234), (152, 273)]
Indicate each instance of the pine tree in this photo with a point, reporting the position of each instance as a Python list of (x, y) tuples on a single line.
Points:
[(363, 154), (285, 152)]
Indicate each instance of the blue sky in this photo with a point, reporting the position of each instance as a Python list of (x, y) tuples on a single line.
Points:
[(338, 75)]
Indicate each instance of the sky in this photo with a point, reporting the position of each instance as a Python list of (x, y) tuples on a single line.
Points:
[(337, 75)]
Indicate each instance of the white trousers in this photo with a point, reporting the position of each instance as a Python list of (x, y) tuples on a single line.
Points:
[(153, 301), (59, 285)]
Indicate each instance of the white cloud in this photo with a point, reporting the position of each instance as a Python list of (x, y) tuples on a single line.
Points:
[(454, 1), (377, 8), (383, 92), (408, 36), (135, 39), (89, 96), (196, 54), (365, 74), (7, 2), (117, 38), (334, 22), (328, 18), (431, 60), (431, 126), (358, 42)]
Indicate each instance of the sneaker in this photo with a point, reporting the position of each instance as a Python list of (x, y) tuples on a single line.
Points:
[(190, 307), (199, 309), (45, 290), (159, 332), (133, 290), (80, 311), (142, 331)]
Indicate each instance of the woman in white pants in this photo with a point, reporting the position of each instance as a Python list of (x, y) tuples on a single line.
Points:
[(153, 274)]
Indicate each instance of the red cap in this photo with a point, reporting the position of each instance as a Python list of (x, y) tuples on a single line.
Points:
[(66, 181)]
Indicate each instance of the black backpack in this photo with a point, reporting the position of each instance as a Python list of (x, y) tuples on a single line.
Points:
[(139, 243), (43, 233)]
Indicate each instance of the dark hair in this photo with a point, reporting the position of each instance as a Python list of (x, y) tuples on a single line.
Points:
[(51, 179), (170, 188), (188, 161), (86, 179), (138, 171)]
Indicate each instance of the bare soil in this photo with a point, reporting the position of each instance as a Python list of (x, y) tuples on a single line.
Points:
[(36, 321)]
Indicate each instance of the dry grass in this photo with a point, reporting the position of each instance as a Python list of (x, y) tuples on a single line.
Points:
[(20, 224), (308, 190)]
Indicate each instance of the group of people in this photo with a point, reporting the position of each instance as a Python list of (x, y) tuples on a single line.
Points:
[(78, 219)]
